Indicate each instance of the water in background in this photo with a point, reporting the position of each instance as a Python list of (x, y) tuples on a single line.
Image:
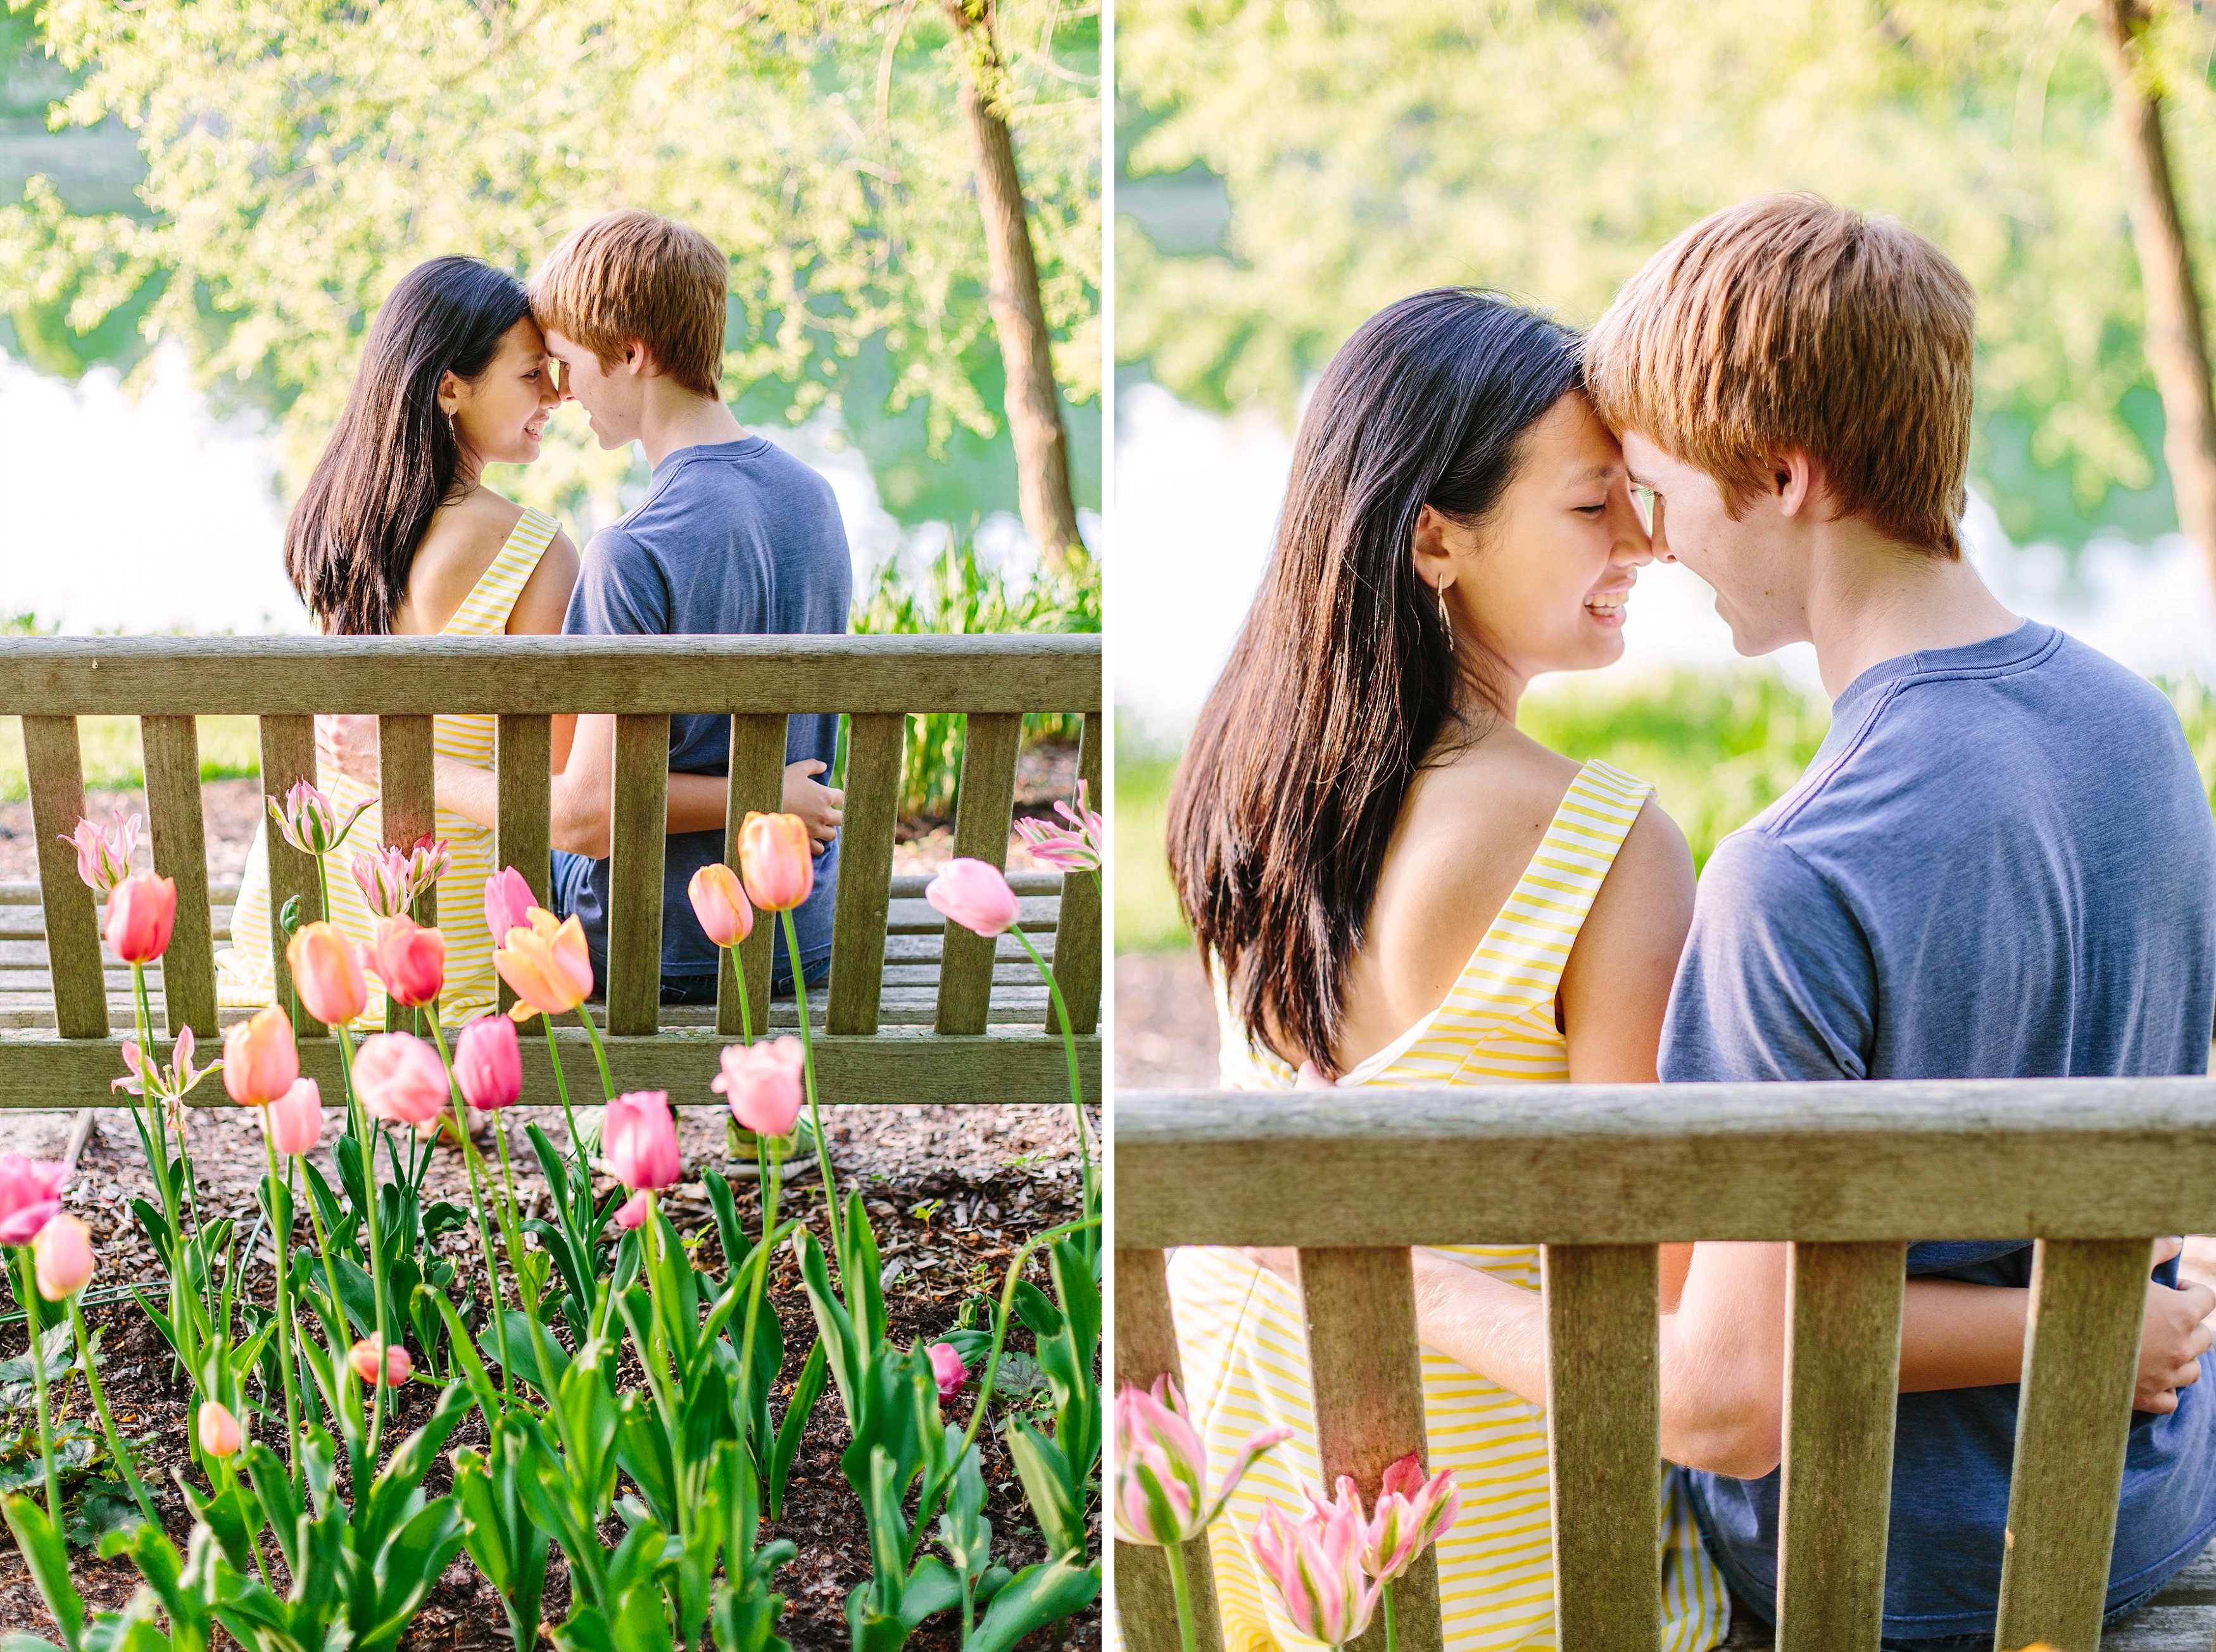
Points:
[(1197, 496), (153, 514)]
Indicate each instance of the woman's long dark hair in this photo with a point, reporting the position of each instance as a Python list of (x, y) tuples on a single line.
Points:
[(1343, 679), (393, 459)]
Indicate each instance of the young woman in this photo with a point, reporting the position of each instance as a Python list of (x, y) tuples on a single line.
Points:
[(395, 534), (1395, 886)]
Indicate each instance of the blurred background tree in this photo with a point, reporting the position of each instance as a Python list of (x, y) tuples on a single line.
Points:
[(292, 160)]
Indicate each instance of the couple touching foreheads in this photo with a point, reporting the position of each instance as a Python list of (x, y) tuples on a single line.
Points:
[(2000, 863), (397, 533)]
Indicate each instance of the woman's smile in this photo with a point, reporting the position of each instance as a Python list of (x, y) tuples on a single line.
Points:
[(1606, 604)]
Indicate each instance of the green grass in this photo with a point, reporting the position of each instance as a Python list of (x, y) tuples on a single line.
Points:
[(230, 748), (1146, 919)]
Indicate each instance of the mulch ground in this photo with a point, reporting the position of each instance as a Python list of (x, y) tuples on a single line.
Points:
[(953, 1191)]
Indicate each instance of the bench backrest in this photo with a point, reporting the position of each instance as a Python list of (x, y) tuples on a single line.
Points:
[(1598, 1175), (876, 681)]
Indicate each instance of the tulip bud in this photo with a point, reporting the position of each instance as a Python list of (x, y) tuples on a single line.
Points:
[(1315, 1564), (507, 903), (946, 1365), (776, 864), (220, 1434), (400, 1079), (410, 960), (103, 854), (638, 1140), (1161, 1467), (30, 1196), (370, 1359), (260, 1060), (975, 894), (630, 1215), (62, 1252), (546, 964), (763, 1084), (489, 1063), (720, 905), (142, 910), (295, 1119), (327, 974)]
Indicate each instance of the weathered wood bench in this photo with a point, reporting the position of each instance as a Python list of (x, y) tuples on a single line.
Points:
[(915, 1009), (1599, 1175)]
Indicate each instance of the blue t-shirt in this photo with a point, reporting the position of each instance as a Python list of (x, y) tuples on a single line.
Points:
[(2000, 865), (733, 538)]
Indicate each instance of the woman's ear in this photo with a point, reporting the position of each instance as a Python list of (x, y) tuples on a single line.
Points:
[(1428, 549), (450, 393)]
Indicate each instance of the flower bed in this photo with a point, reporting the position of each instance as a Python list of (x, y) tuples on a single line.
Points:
[(467, 1362)]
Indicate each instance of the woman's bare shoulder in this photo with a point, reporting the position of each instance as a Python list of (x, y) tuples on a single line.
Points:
[(460, 543)]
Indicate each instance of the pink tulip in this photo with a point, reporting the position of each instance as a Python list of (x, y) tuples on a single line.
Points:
[(1073, 848), (720, 905), (220, 1434), (1161, 1467), (1315, 1564), (174, 1081), (1411, 1514), (30, 1196), (508, 902), (410, 959), (489, 1063), (103, 852), (776, 863), (295, 1119), (400, 1079), (62, 1251), (260, 1060), (392, 878), (142, 910), (309, 822), (327, 974), (395, 1365), (946, 1365), (638, 1140), (764, 1084), (975, 894), (630, 1215)]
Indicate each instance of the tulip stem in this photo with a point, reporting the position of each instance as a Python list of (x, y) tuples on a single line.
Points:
[(1076, 1094), (769, 1164), (28, 1285), (1181, 1592), (599, 1052), (377, 1391), (116, 1448), (280, 1193), (477, 1198), (1387, 1593), (561, 1088), (815, 1115)]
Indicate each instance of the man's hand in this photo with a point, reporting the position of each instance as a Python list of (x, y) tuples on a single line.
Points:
[(348, 745), (819, 805), (2172, 1338)]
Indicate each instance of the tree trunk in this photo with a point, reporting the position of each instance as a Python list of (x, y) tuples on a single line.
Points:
[(1033, 401), (2176, 345)]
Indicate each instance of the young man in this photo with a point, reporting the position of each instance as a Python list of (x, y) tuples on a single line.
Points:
[(734, 537), (2000, 863)]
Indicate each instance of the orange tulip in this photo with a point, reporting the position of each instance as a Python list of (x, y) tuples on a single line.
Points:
[(260, 1062), (326, 973), (546, 964), (720, 905), (410, 960), (220, 1434), (775, 862)]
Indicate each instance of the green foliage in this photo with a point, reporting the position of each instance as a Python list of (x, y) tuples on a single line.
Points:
[(298, 158), (229, 749), (1294, 168), (955, 594)]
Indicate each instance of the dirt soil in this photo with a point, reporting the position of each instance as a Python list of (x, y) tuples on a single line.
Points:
[(952, 1191)]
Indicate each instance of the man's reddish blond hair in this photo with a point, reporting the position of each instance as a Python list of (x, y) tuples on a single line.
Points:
[(631, 276), (1786, 323)]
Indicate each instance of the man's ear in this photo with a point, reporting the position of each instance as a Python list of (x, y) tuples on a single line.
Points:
[(1796, 482), (639, 360)]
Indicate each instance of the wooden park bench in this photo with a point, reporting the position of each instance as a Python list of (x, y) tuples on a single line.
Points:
[(915, 1009), (2090, 1168)]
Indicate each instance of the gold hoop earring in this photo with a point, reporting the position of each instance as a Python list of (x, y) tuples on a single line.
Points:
[(1445, 624)]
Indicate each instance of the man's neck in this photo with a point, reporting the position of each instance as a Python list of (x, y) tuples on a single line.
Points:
[(1871, 599), (675, 418)]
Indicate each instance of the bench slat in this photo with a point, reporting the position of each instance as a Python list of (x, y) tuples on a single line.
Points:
[(1603, 1443), (756, 785), (407, 809), (983, 808), (523, 757), (865, 865), (1146, 1348), (2081, 1358), (638, 842), (171, 746), (1367, 1380), (288, 756), (1841, 1391), (1077, 928), (56, 771)]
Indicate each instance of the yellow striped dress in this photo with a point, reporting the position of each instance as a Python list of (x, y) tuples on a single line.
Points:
[(244, 977), (1239, 1328)]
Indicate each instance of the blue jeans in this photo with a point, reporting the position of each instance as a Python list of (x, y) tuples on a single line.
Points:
[(1983, 1642), (686, 987)]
